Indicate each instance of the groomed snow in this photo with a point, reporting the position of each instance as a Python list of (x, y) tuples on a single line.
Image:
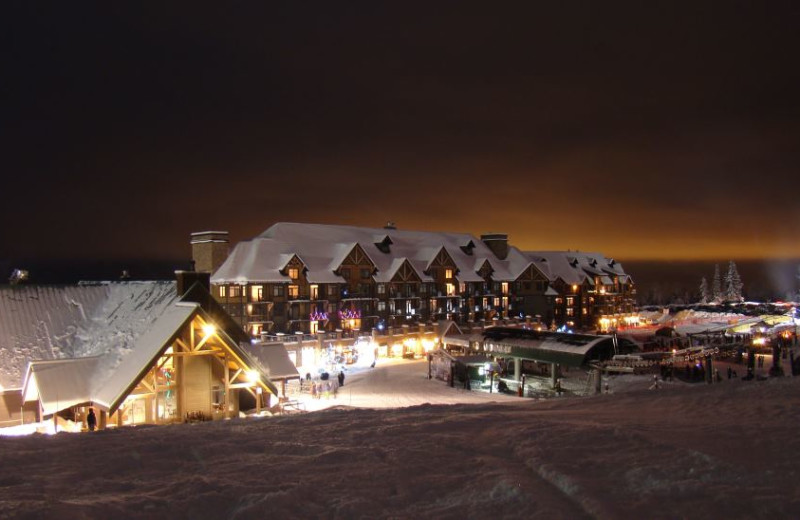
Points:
[(728, 450)]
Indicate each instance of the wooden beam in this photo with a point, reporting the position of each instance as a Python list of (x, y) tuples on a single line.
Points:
[(203, 341), (198, 353), (183, 345), (236, 375), (227, 388)]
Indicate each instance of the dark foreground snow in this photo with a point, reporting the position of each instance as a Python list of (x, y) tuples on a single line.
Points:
[(728, 450)]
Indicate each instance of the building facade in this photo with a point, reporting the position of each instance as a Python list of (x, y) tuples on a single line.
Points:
[(310, 278)]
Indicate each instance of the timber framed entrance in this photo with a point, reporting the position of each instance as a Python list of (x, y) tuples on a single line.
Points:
[(198, 375)]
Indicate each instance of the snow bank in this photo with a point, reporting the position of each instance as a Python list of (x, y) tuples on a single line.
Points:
[(728, 450)]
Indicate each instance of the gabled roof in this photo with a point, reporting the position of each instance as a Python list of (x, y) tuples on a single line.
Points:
[(124, 336), (323, 247), (120, 371), (39, 323), (274, 360), (61, 383), (575, 267)]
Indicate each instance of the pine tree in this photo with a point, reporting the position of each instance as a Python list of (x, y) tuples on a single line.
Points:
[(705, 294), (733, 284), (716, 285)]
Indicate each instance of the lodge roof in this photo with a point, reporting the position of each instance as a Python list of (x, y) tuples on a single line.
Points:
[(322, 249)]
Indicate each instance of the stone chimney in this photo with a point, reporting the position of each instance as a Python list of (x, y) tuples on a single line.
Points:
[(498, 243), (209, 250)]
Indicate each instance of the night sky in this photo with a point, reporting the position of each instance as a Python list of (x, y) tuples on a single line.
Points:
[(643, 131)]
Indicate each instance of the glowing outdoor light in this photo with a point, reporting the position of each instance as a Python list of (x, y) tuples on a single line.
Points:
[(253, 376), (209, 329)]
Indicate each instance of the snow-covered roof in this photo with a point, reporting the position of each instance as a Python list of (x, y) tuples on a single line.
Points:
[(100, 352), (575, 267), (274, 360), (39, 323), (552, 347), (323, 248), (61, 383), (121, 369)]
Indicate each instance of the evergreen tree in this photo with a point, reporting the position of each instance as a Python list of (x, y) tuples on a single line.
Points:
[(733, 284), (705, 294), (716, 285)]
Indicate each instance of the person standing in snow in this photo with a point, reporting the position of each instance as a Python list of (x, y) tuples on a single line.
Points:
[(314, 390), (341, 378), (91, 420)]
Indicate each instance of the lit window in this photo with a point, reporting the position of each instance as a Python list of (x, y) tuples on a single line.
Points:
[(570, 300), (256, 292), (333, 290), (314, 290), (294, 291), (381, 306), (236, 291), (504, 287), (451, 289), (294, 273), (381, 288), (222, 291), (448, 273)]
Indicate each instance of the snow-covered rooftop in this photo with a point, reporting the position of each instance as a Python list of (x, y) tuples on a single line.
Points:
[(59, 322), (322, 248)]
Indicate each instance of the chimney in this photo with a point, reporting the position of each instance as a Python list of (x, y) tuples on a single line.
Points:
[(498, 243), (209, 250), (390, 225)]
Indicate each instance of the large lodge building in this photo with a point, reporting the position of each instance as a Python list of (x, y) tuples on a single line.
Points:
[(309, 278)]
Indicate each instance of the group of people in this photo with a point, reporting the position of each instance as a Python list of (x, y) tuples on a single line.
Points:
[(327, 388)]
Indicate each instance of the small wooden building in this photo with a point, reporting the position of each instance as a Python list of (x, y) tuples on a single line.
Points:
[(183, 368)]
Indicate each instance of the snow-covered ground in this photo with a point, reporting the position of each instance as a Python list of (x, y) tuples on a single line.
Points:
[(728, 450)]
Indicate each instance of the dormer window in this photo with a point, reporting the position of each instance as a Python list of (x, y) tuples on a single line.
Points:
[(294, 273), (468, 247)]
